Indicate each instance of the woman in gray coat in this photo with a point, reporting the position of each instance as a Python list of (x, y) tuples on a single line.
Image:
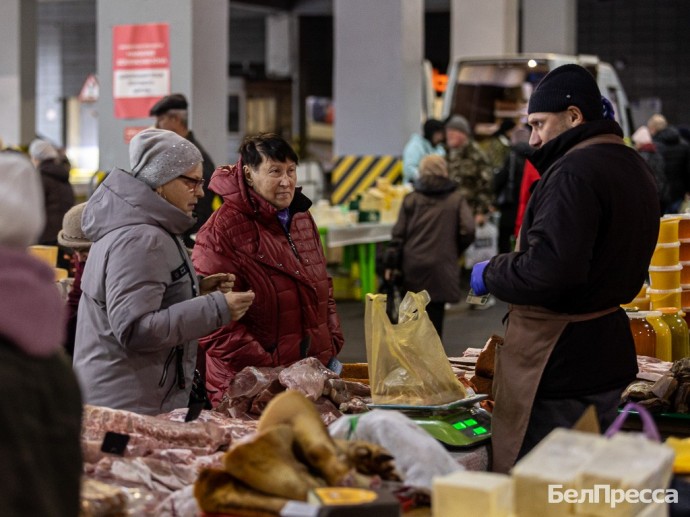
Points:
[(142, 306)]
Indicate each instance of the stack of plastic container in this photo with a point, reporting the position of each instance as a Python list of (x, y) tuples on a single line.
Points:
[(684, 256), (661, 332), (665, 267)]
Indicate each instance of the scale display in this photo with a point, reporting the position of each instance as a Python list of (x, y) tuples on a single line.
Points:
[(456, 424), (464, 427)]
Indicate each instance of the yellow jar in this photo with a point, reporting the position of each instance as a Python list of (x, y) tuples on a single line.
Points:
[(663, 336), (683, 226), (664, 298), (643, 333), (666, 254), (684, 252), (680, 338), (640, 304), (665, 277), (668, 229)]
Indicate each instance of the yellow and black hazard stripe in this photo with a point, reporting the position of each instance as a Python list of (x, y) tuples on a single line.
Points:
[(354, 174)]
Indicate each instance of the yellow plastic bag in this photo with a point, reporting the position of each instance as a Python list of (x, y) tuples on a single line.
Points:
[(407, 363)]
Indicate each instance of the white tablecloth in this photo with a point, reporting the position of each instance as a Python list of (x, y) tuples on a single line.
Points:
[(361, 233)]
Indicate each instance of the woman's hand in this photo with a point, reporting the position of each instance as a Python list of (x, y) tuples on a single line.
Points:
[(222, 282), (238, 303)]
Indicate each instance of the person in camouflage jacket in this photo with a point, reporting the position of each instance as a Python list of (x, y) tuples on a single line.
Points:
[(469, 166)]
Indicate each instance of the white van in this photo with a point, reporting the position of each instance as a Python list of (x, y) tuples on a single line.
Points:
[(486, 90)]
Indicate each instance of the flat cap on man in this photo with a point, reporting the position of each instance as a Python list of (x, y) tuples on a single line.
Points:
[(175, 101)]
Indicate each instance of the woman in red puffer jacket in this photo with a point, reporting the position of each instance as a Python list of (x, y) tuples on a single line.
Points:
[(264, 235)]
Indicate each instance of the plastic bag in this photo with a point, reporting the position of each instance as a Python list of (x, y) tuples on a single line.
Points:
[(407, 363), (485, 244)]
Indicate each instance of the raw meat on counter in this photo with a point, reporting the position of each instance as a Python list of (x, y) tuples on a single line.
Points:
[(667, 391), (254, 387), (164, 454)]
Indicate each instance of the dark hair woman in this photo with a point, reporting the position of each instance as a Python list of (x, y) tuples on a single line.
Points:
[(265, 235)]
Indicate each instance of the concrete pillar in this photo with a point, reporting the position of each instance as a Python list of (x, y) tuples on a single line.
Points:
[(483, 27), (549, 26), (18, 71), (377, 74), (198, 69), (49, 91)]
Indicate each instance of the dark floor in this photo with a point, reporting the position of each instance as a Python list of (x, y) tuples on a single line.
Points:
[(463, 328)]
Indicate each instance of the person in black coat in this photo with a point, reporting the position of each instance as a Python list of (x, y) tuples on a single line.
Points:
[(507, 183), (171, 113), (587, 237), (57, 190), (676, 154)]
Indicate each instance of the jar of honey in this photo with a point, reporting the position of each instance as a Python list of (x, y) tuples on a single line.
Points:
[(643, 333), (680, 338), (663, 336)]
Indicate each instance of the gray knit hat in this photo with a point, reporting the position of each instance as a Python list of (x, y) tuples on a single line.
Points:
[(460, 123), (22, 212), (71, 235), (40, 150), (158, 156)]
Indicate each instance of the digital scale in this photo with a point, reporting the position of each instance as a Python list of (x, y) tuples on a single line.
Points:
[(456, 425)]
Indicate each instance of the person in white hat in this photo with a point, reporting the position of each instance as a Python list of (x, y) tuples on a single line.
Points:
[(40, 409), (142, 306)]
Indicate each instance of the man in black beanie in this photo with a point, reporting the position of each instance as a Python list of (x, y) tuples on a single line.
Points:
[(587, 237), (171, 114)]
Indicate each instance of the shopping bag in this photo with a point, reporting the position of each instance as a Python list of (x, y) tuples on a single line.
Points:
[(407, 362), (485, 244), (649, 428)]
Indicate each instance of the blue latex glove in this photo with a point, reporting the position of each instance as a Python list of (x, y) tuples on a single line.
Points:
[(477, 278)]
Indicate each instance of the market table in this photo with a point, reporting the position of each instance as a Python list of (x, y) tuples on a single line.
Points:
[(363, 237)]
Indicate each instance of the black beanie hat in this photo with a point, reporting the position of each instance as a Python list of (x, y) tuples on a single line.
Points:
[(567, 85), (431, 126)]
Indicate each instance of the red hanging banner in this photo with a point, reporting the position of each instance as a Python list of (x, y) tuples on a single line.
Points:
[(141, 68)]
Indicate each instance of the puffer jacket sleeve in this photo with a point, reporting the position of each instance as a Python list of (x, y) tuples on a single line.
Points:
[(234, 341), (136, 282), (412, 154)]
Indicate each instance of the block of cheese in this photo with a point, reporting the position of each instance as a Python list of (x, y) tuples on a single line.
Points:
[(553, 467), (467, 493), (655, 510), (628, 462)]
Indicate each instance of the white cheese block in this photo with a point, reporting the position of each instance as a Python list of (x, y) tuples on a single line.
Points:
[(655, 510), (468, 494), (553, 467), (629, 462)]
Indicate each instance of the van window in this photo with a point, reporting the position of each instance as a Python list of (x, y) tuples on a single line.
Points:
[(488, 90), (487, 93)]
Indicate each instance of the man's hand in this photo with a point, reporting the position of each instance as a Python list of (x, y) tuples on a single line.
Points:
[(222, 282), (477, 279)]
